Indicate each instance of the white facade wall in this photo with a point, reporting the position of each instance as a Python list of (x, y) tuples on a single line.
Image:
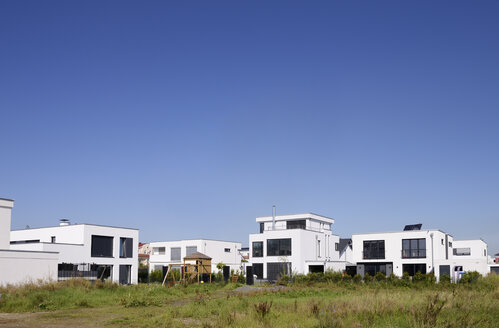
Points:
[(20, 267), (314, 245), (438, 254), (346, 255), (215, 249), (6, 206), (393, 248), (74, 243)]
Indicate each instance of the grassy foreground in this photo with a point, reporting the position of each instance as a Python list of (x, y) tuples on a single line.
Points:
[(78, 303)]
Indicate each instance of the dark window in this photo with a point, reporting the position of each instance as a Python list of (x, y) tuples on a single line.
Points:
[(278, 247), (262, 227), (175, 254), (336, 246), (227, 250), (102, 246), (52, 239), (298, 224), (450, 243), (442, 240), (190, 249), (461, 251), (258, 270), (411, 269), (258, 249), (374, 249), (125, 274), (413, 248), (374, 268), (274, 270), (126, 247)]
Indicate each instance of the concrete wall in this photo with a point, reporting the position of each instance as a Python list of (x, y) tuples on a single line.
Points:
[(5, 215), (74, 242), (18, 267), (213, 248)]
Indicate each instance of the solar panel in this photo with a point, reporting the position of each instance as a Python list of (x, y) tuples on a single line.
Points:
[(413, 227)]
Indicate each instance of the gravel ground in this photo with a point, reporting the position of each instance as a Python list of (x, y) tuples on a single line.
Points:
[(248, 289)]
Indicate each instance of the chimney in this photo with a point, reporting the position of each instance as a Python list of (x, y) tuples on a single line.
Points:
[(63, 222)]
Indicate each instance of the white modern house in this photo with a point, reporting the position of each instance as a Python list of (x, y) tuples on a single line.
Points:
[(85, 250), (414, 250), (18, 266), (297, 243), (165, 253)]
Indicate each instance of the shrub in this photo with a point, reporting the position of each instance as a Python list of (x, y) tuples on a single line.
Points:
[(380, 276), (156, 276), (444, 279), (367, 277), (300, 279), (346, 277), (283, 279), (470, 277), (393, 278), (262, 309), (332, 276), (357, 278), (406, 276), (418, 277)]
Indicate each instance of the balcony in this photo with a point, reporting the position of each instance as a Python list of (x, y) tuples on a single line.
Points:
[(413, 253)]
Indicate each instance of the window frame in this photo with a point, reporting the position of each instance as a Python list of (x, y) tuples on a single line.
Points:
[(411, 252), (93, 246), (373, 253), (253, 249), (280, 249)]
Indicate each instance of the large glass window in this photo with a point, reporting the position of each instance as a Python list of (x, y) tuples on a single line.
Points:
[(374, 249), (102, 246), (413, 248), (411, 269), (175, 254), (190, 249), (275, 270), (279, 247), (126, 247), (297, 224), (461, 251), (258, 249), (258, 270)]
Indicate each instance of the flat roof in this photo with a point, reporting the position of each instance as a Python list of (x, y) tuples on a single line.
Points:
[(193, 239), (302, 216), (402, 231), (10, 200), (76, 224)]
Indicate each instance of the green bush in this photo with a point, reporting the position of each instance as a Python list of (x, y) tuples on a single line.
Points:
[(470, 277), (380, 276), (357, 278), (332, 276), (156, 276), (418, 277), (444, 279)]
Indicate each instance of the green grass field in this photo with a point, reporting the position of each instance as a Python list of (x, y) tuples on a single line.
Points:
[(78, 303)]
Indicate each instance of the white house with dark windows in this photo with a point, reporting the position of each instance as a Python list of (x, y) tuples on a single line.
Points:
[(297, 243), (22, 266), (165, 253), (414, 250), (85, 250)]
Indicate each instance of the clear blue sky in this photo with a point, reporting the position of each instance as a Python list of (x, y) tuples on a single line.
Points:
[(188, 119)]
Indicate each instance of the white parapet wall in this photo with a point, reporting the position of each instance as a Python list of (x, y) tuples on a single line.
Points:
[(20, 267)]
